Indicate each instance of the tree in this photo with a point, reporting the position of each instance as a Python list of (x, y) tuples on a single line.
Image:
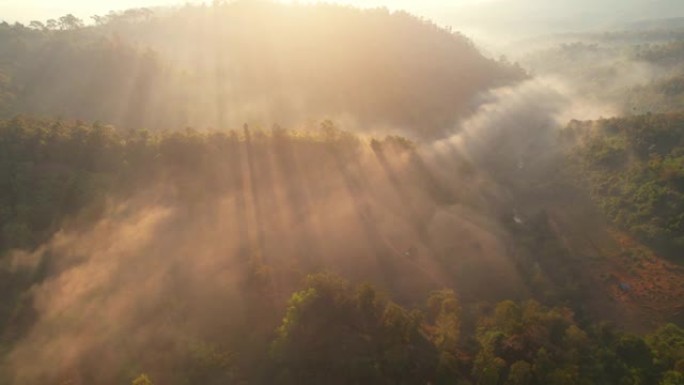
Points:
[(35, 24), (444, 314), (672, 378), (70, 22), (520, 373), (488, 368), (99, 20), (51, 24), (336, 334), (667, 344)]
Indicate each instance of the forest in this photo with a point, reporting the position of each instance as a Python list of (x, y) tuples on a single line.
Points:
[(252, 192)]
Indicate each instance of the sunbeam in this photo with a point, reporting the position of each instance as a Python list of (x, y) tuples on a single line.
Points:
[(344, 192)]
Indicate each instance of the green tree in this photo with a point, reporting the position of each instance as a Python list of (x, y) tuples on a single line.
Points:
[(672, 378), (35, 24), (443, 313), (520, 373), (334, 333), (70, 22), (667, 344)]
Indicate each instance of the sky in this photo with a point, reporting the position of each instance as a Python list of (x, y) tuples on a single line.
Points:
[(503, 16), (27, 10)]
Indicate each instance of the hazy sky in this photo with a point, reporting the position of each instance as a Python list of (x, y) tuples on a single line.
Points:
[(502, 15), (26, 10)]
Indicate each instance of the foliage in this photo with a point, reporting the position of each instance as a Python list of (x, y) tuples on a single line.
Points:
[(336, 333), (333, 333), (635, 171)]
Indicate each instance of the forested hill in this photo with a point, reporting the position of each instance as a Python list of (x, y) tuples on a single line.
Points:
[(195, 258), (259, 193), (257, 62)]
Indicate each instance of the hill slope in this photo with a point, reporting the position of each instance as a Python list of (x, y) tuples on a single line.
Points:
[(256, 62)]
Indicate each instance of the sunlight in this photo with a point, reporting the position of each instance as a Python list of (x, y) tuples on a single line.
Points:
[(341, 192)]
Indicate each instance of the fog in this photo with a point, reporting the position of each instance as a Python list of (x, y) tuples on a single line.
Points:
[(392, 168), (158, 273)]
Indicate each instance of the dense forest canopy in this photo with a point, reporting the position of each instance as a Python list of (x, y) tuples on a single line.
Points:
[(636, 170), (251, 192), (633, 71)]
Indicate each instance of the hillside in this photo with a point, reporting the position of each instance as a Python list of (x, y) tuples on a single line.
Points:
[(248, 62), (260, 193), (181, 255)]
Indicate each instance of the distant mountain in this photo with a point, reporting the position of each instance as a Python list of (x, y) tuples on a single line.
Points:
[(528, 17), (670, 23)]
